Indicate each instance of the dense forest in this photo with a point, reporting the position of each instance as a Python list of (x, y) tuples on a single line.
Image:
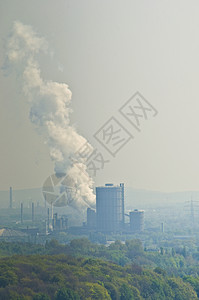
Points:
[(175, 261), (82, 270), (66, 277)]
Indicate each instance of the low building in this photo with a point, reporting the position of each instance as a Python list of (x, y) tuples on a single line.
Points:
[(137, 220), (91, 218)]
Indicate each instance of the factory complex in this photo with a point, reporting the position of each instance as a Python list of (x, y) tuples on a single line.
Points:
[(109, 215), (106, 217)]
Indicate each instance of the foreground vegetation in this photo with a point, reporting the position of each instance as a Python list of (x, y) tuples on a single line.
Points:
[(65, 277), (82, 270), (175, 261)]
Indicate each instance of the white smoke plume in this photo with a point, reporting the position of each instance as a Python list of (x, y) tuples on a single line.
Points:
[(50, 111)]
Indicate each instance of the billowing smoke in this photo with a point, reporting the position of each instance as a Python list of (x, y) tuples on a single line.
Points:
[(50, 111)]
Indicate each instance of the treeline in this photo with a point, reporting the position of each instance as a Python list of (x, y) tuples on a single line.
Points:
[(176, 262), (65, 277)]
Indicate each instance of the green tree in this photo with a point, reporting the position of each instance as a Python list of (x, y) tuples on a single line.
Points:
[(184, 252), (182, 290), (7, 277), (161, 250), (126, 293), (51, 244), (96, 291), (194, 283), (66, 294), (134, 248), (112, 290), (159, 270), (41, 297), (173, 252)]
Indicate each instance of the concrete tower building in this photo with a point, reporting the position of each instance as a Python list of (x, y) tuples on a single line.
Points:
[(110, 208), (137, 220)]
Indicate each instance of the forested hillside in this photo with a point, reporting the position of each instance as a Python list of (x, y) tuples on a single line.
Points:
[(65, 277), (82, 270), (176, 261)]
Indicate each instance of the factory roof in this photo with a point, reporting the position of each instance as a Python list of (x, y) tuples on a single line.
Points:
[(5, 232), (109, 185)]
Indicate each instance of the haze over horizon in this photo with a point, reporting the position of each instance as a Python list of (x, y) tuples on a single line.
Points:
[(106, 52)]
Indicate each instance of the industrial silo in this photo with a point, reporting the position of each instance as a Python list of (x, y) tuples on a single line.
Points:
[(110, 208)]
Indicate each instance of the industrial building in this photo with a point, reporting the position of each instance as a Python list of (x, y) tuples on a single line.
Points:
[(110, 208), (91, 218), (110, 215), (60, 223), (137, 220)]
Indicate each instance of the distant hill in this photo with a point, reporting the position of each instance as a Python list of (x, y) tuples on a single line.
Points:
[(133, 197), (144, 198)]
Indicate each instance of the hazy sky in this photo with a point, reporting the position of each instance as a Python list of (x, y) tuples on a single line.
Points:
[(106, 51)]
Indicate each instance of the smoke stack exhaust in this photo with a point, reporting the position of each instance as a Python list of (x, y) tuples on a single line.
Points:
[(50, 109)]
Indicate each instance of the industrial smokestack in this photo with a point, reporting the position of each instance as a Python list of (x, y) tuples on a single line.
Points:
[(33, 212), (21, 212), (162, 227), (46, 223), (48, 218), (10, 197), (45, 200)]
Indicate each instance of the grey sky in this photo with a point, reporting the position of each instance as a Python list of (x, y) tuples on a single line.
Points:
[(106, 51)]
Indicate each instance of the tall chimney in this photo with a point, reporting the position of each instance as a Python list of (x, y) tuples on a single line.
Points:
[(33, 212), (10, 197), (48, 218), (21, 212)]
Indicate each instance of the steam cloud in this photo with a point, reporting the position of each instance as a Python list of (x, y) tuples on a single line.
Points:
[(50, 111)]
